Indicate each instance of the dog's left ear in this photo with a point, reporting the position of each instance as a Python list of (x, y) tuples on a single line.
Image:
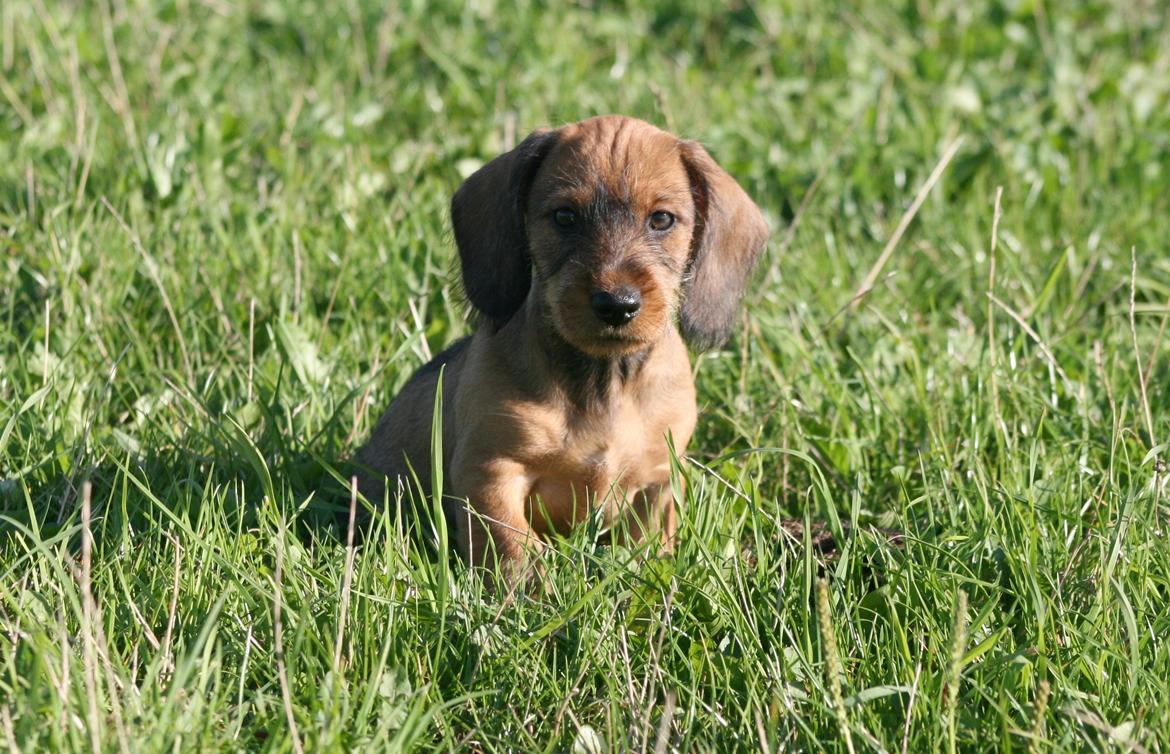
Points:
[(487, 213), (730, 232)]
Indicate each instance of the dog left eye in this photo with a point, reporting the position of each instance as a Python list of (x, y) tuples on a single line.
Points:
[(564, 217), (661, 220)]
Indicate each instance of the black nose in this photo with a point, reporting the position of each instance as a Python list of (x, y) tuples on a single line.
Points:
[(617, 308)]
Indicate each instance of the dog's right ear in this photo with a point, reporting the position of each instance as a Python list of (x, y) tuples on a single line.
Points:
[(730, 233), (487, 213)]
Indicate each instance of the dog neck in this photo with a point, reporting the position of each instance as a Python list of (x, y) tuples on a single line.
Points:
[(588, 382)]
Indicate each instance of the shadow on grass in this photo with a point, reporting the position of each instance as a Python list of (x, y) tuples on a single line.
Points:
[(214, 472)]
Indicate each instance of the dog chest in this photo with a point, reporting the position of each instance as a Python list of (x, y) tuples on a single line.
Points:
[(594, 463)]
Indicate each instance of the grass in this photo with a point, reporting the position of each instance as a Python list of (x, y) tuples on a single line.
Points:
[(224, 246)]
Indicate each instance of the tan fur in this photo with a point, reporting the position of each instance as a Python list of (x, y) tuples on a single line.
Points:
[(550, 415)]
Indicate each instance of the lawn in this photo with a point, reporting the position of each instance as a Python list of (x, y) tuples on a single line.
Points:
[(225, 244)]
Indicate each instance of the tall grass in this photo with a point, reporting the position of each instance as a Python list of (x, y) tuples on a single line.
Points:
[(224, 246)]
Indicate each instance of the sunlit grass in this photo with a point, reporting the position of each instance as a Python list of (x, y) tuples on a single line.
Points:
[(224, 246)]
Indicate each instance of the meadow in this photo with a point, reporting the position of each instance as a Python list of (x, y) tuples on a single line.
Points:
[(225, 244)]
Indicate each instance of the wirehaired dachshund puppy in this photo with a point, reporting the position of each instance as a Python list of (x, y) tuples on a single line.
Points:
[(593, 254)]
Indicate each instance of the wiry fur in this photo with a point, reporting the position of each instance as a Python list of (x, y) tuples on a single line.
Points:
[(550, 414)]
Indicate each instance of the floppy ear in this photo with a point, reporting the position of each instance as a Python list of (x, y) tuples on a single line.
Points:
[(730, 232), (487, 213)]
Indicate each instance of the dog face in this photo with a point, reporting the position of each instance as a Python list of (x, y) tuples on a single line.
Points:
[(610, 218), (609, 223)]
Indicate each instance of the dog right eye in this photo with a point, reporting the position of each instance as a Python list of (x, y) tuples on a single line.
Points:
[(564, 217)]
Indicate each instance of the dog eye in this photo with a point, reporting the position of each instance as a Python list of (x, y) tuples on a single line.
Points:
[(661, 220), (564, 217)]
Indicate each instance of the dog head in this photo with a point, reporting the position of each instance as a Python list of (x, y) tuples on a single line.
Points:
[(614, 225)]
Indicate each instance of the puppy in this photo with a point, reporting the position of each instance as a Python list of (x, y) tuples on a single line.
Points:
[(593, 253)]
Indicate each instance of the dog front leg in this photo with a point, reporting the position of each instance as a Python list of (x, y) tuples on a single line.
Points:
[(653, 513), (493, 532)]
